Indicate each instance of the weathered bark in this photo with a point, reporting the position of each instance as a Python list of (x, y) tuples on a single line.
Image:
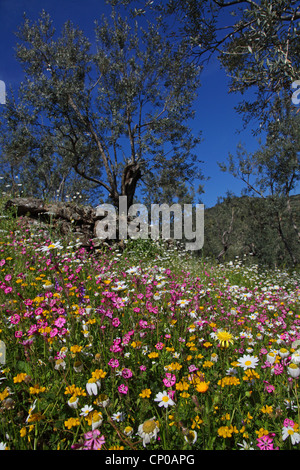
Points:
[(130, 178)]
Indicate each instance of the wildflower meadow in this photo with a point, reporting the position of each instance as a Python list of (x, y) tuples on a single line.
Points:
[(143, 349)]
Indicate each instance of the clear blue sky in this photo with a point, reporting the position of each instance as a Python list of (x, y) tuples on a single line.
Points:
[(215, 114)]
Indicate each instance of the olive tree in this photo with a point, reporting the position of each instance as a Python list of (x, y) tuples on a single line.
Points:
[(114, 111)]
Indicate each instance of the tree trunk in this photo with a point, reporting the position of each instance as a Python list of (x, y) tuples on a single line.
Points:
[(225, 237), (285, 242), (131, 175), (293, 222)]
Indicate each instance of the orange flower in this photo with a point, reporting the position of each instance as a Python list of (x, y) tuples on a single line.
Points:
[(202, 387)]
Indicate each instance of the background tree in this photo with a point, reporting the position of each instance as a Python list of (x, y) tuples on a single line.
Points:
[(257, 44), (114, 114), (256, 41), (273, 171)]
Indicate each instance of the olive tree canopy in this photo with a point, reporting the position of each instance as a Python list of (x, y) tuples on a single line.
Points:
[(113, 111)]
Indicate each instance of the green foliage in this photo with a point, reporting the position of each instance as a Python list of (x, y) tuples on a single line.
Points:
[(143, 249), (256, 230), (271, 227), (256, 42)]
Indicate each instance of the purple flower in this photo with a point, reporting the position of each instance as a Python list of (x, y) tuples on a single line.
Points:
[(113, 363), (116, 322), (92, 441), (53, 332), (126, 373), (60, 322), (15, 319), (278, 369), (265, 443), (269, 388), (169, 380), (288, 422), (123, 389)]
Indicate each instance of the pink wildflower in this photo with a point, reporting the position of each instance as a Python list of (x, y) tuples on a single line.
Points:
[(269, 388), (169, 380), (93, 441), (60, 322), (278, 369), (116, 322), (265, 442), (126, 373), (123, 389), (113, 363), (288, 422), (15, 319), (115, 348)]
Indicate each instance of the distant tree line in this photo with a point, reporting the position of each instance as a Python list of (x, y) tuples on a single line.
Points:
[(259, 228)]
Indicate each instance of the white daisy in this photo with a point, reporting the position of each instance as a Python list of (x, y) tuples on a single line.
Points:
[(59, 364), (132, 270), (120, 416), (97, 420), (289, 432), (86, 410), (293, 370), (182, 302), (191, 437), (73, 402), (52, 246), (163, 399), (283, 352), (93, 386), (128, 431), (295, 358), (271, 357), (248, 362), (148, 430)]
